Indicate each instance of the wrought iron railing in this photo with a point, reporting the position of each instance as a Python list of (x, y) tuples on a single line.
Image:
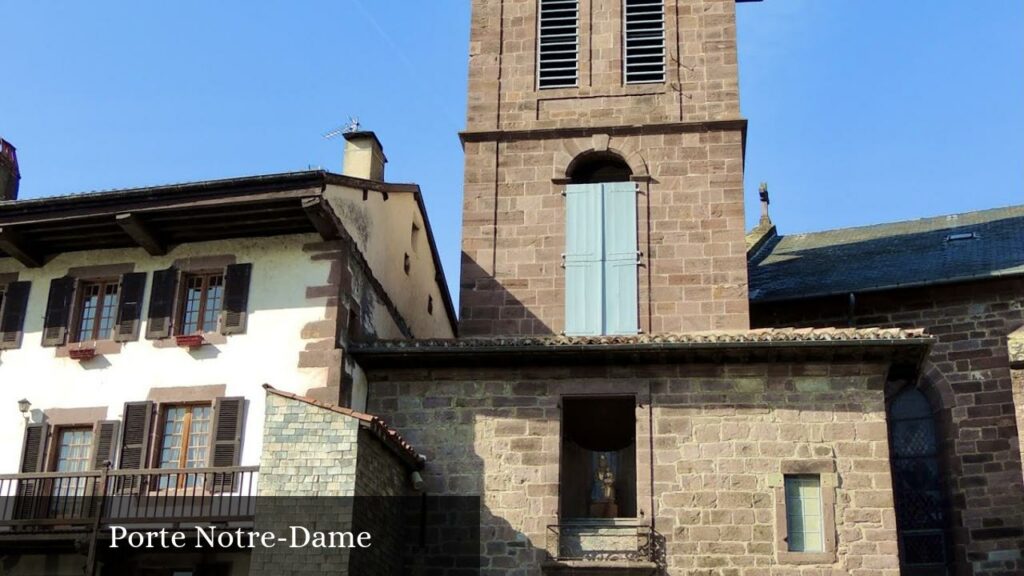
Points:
[(33, 501), (601, 541)]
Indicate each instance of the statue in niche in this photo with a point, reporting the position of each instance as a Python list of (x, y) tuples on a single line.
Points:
[(605, 480), (603, 491)]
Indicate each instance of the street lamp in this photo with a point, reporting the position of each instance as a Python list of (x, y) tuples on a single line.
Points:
[(24, 406)]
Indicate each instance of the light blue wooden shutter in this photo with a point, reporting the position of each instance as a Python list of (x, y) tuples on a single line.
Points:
[(620, 259), (583, 252)]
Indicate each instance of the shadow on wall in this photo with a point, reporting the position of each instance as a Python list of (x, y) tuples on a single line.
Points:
[(447, 425), (495, 433), (487, 307)]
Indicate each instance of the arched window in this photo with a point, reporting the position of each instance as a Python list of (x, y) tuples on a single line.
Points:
[(921, 507), (601, 247), (599, 167)]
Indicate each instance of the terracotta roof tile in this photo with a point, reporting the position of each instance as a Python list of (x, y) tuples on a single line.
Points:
[(388, 435), (719, 338)]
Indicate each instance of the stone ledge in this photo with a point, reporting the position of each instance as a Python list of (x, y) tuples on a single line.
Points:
[(599, 568)]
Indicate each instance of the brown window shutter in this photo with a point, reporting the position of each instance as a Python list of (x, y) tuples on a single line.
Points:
[(33, 449), (32, 492), (236, 298), (129, 308), (161, 303), (138, 419), (12, 320), (104, 443), (228, 420), (58, 308)]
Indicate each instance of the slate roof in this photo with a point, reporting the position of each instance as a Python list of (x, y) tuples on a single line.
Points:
[(943, 249)]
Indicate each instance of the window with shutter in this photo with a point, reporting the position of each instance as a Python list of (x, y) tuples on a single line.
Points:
[(620, 258), (13, 304), (644, 41), (31, 493), (96, 310), (58, 308), (583, 259), (184, 442), (236, 298), (129, 312), (201, 303), (229, 419), (601, 259), (138, 417), (104, 447), (161, 304), (558, 43)]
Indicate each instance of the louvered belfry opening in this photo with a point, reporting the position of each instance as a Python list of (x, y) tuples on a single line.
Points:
[(558, 44), (644, 41)]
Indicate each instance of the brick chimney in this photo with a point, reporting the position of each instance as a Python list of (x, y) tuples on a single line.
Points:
[(364, 156), (9, 174)]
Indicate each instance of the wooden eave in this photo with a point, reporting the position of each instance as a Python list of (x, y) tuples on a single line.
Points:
[(157, 218)]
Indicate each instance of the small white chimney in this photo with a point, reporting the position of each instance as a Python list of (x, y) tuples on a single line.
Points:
[(364, 156)]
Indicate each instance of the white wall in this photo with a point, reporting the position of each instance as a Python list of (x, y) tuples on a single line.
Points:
[(267, 353), (382, 230)]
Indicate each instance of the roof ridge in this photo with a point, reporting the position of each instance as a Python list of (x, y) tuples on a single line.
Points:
[(896, 222)]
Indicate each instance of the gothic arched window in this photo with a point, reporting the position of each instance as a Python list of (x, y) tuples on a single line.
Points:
[(921, 508)]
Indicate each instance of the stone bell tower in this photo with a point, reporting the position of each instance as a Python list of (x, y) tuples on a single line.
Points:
[(604, 169)]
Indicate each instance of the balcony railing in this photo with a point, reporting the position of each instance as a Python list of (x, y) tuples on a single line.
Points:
[(156, 496), (597, 540)]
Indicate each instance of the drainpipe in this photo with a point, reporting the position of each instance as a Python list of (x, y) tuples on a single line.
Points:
[(851, 310)]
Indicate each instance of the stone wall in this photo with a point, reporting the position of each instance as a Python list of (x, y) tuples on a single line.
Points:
[(701, 65), (968, 378), (309, 463), (683, 140), (712, 441), (692, 273), (382, 482)]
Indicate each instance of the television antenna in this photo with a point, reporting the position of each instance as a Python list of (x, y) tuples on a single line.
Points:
[(352, 126)]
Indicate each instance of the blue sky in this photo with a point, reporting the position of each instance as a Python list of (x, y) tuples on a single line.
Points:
[(861, 111)]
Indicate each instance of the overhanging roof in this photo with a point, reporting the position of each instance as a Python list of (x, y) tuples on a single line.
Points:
[(158, 217), (161, 216)]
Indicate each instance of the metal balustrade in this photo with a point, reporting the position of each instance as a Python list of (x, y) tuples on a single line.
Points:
[(601, 541), (151, 496)]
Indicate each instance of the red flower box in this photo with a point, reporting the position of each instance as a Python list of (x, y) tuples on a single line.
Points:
[(189, 340), (82, 354)]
